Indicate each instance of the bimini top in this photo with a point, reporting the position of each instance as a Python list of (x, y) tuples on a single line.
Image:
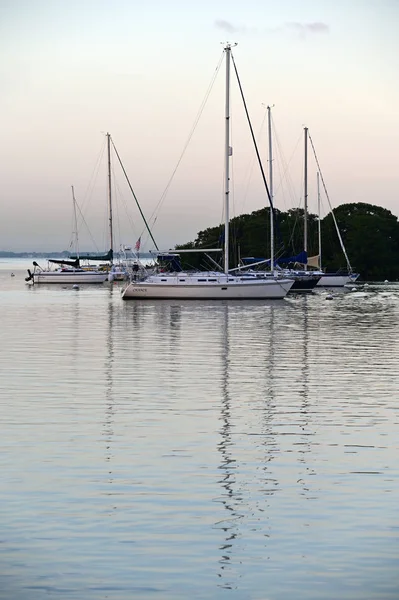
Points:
[(302, 257)]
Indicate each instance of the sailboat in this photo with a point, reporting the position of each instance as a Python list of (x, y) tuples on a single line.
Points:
[(71, 270), (304, 281), (337, 278), (308, 278), (212, 284)]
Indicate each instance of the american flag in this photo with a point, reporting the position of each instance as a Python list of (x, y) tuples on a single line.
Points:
[(138, 244)]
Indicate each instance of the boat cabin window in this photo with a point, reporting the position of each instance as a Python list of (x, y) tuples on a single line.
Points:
[(201, 279), (212, 279), (182, 280), (164, 280)]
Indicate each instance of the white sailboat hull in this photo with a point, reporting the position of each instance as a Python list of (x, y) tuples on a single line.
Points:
[(219, 289), (70, 277), (335, 280)]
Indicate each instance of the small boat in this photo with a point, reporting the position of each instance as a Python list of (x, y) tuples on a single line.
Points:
[(337, 279), (66, 275), (304, 281), (71, 270)]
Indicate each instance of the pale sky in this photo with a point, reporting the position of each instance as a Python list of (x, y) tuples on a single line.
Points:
[(71, 70)]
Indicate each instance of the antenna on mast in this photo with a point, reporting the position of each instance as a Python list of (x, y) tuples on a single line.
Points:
[(229, 44)]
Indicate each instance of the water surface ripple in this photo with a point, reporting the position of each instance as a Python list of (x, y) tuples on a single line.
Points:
[(175, 449)]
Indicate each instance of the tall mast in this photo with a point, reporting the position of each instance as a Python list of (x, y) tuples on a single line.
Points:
[(269, 123), (318, 212), (75, 222), (111, 235), (305, 198), (228, 151)]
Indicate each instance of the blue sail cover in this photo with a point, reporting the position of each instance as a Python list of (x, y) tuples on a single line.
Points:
[(249, 260), (302, 258), (173, 261)]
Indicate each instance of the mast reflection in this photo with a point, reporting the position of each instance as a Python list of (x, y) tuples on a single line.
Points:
[(110, 407), (305, 414), (227, 464), (252, 403)]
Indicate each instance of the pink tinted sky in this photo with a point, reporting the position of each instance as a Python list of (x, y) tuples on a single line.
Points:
[(71, 71)]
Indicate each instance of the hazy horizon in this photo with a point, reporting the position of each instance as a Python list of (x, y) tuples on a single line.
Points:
[(73, 71)]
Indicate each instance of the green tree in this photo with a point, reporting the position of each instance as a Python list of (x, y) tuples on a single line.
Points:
[(371, 237), (370, 234)]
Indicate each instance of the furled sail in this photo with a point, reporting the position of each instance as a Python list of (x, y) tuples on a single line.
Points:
[(107, 256), (314, 261)]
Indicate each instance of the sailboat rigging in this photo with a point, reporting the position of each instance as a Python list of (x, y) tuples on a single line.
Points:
[(307, 279), (338, 278), (304, 281), (212, 284), (71, 270)]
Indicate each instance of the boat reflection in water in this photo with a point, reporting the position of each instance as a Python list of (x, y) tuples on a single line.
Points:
[(245, 498), (227, 444)]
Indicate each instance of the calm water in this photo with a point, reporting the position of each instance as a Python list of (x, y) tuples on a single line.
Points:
[(173, 450)]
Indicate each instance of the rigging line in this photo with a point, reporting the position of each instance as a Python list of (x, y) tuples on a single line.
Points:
[(115, 208), (293, 195), (197, 118), (289, 182), (222, 195), (220, 226), (285, 165), (134, 195), (252, 163), (232, 178), (83, 220), (253, 136), (275, 221), (332, 212), (90, 186), (105, 207), (119, 194)]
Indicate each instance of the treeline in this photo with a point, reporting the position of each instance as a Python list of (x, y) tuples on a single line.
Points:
[(370, 235)]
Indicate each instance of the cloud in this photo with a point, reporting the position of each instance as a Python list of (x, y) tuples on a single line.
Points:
[(302, 29), (226, 26), (230, 28), (305, 28)]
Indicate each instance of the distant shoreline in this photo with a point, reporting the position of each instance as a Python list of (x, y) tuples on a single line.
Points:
[(64, 254)]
